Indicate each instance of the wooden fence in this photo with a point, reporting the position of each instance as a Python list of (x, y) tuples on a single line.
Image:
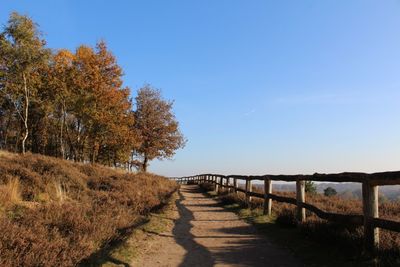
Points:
[(370, 183)]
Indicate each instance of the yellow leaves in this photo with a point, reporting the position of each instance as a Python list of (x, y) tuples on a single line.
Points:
[(63, 60)]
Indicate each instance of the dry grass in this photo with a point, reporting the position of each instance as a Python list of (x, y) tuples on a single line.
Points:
[(6, 154), (57, 213), (10, 192), (350, 238)]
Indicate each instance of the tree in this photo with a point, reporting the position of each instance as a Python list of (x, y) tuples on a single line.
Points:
[(60, 82), (310, 187), (74, 105), (102, 110), (329, 191), (23, 56), (156, 127)]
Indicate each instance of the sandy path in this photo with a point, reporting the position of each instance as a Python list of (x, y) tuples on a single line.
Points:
[(204, 234)]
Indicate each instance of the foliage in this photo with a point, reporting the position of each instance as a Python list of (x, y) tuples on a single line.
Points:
[(157, 128), (24, 59), (310, 187), (329, 191), (73, 105)]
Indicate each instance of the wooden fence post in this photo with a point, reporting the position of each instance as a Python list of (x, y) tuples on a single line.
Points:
[(371, 210), (235, 185), (216, 184), (267, 200), (227, 184), (224, 184), (248, 190), (301, 197)]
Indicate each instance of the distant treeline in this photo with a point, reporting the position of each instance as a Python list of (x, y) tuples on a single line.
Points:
[(73, 105), (345, 190)]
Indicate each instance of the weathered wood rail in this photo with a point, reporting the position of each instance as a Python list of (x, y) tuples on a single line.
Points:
[(370, 183)]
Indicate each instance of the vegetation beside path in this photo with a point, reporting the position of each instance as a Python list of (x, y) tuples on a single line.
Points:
[(316, 243), (58, 213), (139, 241)]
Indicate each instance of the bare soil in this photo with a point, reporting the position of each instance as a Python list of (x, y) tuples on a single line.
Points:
[(205, 234)]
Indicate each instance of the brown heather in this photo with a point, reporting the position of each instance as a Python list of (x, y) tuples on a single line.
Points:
[(57, 213), (350, 238)]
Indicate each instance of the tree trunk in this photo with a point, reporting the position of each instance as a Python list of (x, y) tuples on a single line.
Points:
[(6, 131), (72, 150), (26, 110), (62, 147), (144, 165)]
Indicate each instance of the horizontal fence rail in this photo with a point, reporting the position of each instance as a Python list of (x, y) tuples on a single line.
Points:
[(370, 183)]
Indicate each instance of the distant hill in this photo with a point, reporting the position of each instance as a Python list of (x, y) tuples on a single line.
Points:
[(346, 190)]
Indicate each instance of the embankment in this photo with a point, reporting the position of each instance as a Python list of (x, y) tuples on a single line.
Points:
[(57, 213)]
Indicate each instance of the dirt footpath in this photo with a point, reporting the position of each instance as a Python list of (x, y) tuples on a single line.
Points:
[(204, 234)]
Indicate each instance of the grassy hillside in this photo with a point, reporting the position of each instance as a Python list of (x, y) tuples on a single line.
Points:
[(57, 213)]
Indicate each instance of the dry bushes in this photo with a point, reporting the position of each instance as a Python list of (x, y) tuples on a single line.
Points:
[(57, 213), (350, 238)]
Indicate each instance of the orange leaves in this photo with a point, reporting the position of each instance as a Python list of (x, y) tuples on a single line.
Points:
[(156, 126), (78, 106), (63, 59), (103, 106)]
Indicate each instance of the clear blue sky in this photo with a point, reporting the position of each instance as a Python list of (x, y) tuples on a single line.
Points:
[(259, 86)]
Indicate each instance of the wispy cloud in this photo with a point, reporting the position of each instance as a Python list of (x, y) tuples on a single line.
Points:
[(249, 113)]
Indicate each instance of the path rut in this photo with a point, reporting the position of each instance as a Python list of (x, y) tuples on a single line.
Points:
[(205, 234)]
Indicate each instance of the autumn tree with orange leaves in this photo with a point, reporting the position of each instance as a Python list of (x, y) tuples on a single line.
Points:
[(157, 128), (60, 79), (74, 105)]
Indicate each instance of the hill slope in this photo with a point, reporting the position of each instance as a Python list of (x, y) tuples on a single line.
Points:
[(57, 213)]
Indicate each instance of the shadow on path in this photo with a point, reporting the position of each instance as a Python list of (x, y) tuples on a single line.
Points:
[(220, 237), (104, 254), (196, 254)]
